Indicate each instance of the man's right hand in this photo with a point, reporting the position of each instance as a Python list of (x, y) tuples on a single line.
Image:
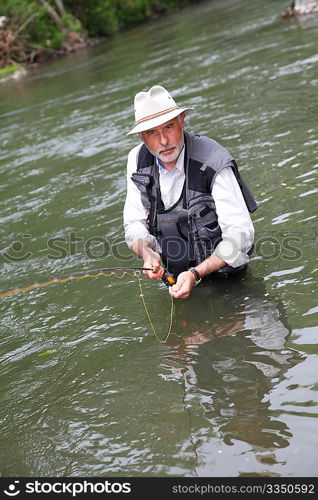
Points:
[(152, 259)]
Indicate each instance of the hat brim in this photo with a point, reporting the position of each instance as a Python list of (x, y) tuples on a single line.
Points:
[(159, 120)]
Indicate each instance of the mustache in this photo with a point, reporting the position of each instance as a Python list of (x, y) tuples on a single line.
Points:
[(166, 149)]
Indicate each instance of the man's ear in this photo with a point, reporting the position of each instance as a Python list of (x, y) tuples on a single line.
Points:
[(182, 118)]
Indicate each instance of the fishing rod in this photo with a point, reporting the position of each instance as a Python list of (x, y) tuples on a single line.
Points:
[(103, 269), (167, 278)]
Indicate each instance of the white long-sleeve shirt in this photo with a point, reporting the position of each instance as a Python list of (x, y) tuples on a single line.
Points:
[(233, 216)]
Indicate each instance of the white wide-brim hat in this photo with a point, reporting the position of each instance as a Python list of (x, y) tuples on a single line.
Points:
[(153, 108)]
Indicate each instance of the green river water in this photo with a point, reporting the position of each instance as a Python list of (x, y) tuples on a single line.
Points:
[(86, 387)]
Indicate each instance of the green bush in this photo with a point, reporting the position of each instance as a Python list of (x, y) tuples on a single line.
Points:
[(56, 40), (39, 30), (71, 23), (104, 17), (96, 17), (130, 12)]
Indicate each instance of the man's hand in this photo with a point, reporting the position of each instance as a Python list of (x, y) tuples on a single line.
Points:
[(184, 285), (152, 260)]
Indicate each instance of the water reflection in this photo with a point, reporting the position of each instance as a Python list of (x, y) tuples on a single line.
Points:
[(229, 349)]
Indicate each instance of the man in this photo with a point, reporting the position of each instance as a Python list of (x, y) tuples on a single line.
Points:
[(186, 203)]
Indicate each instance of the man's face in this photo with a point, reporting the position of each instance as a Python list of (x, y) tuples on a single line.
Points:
[(166, 141)]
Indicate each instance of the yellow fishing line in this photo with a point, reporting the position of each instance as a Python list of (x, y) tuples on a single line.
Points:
[(148, 315), (53, 281), (32, 286)]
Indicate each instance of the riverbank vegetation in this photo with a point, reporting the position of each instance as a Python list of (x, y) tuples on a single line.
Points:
[(33, 31)]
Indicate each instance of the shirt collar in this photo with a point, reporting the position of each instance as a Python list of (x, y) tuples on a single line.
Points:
[(179, 164)]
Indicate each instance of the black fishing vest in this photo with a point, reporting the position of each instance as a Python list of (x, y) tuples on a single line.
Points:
[(187, 232)]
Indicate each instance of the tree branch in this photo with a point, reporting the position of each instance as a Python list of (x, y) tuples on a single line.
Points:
[(54, 15), (60, 7), (24, 25)]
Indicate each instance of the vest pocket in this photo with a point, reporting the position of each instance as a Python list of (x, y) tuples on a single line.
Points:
[(205, 230), (202, 212), (144, 183)]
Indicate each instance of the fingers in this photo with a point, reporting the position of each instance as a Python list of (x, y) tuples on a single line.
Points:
[(153, 262), (183, 287), (181, 293), (156, 273)]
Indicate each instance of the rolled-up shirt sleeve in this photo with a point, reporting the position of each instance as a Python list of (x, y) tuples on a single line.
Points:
[(135, 214), (234, 219)]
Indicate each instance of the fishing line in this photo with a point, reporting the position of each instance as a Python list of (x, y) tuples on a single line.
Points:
[(65, 279), (162, 341), (95, 273)]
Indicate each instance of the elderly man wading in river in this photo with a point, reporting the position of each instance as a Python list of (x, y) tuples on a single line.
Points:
[(187, 206)]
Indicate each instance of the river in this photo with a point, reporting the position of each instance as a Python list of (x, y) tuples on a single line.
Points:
[(87, 388)]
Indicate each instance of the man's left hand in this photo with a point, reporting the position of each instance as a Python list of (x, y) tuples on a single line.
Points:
[(184, 285)]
